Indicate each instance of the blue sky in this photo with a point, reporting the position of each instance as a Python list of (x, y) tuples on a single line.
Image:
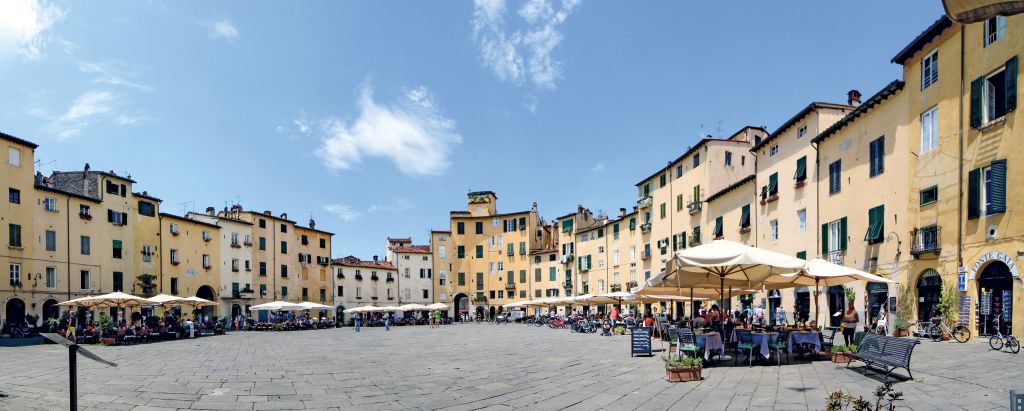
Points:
[(377, 117)]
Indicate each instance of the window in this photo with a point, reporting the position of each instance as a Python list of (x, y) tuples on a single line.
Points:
[(284, 271), (15, 269), (802, 131), (995, 96), (14, 157), (14, 195), (117, 248), (522, 248), (118, 218), (679, 171), (696, 159), (773, 185), (323, 243), (174, 256), (719, 230), (460, 227), (14, 235), (929, 69), (50, 204), (51, 240), (85, 283), (442, 252), (877, 149), (774, 228), (995, 29), (600, 285), (552, 274), (987, 190), (833, 236), (511, 249), (234, 265), (801, 170), (801, 218), (206, 235), (662, 209), (284, 247), (461, 251), (462, 278), (263, 269), (834, 177), (661, 180), (773, 150), (112, 188), (174, 229), (263, 223), (745, 216), (284, 228), (51, 277), (284, 291), (341, 291), (929, 195), (479, 281), (876, 225), (479, 251), (801, 255), (248, 265), (929, 130), (479, 227), (118, 281), (615, 257), (359, 292), (263, 243), (728, 158), (83, 210), (147, 209)]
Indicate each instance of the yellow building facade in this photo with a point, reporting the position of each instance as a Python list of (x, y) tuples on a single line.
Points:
[(191, 259)]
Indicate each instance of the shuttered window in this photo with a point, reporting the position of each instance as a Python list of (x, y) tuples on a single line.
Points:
[(876, 225), (773, 184), (801, 169), (835, 177), (718, 227), (745, 217), (877, 149), (986, 190), (511, 249)]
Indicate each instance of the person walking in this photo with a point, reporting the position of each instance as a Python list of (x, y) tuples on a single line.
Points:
[(437, 318), (387, 321), (759, 315), (780, 316), (850, 321), (357, 320)]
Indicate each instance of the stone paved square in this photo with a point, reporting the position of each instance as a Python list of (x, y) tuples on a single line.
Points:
[(468, 367)]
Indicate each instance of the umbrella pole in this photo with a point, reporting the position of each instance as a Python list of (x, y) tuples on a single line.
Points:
[(817, 309)]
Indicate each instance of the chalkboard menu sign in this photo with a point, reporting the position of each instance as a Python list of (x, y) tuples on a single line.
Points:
[(965, 310), (640, 341)]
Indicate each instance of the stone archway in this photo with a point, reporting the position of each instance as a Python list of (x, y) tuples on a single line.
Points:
[(50, 309), (206, 292), (995, 283), (15, 312), (461, 305)]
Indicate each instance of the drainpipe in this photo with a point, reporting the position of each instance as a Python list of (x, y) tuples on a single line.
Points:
[(68, 231), (960, 164)]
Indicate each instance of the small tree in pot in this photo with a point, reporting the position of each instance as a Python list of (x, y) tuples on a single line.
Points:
[(904, 311), (108, 330), (686, 369), (839, 353)]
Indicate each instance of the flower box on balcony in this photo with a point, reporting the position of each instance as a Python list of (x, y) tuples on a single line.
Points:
[(85, 216), (175, 262), (744, 230), (236, 245), (800, 183)]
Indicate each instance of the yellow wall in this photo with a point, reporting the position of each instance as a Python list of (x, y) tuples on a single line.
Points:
[(191, 247)]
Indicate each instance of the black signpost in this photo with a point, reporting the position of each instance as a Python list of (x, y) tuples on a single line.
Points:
[(73, 351), (640, 341)]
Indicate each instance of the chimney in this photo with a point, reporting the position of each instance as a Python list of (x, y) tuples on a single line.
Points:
[(284, 216), (853, 98), (267, 212), (85, 180), (622, 212), (312, 224), (374, 258), (209, 211)]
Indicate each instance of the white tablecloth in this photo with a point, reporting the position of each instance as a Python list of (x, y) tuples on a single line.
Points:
[(812, 338), (713, 341), (759, 339)]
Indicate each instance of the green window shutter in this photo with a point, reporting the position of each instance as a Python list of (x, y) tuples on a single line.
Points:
[(997, 191), (522, 223), (579, 264), (588, 262), (745, 217), (824, 239), (682, 240), (615, 228), (511, 248), (764, 192), (522, 248), (675, 243), (718, 226), (479, 251), (632, 224), (801, 255), (876, 225), (842, 233), (976, 87), (462, 251), (773, 184), (1011, 84), (974, 194), (551, 274), (801, 169)]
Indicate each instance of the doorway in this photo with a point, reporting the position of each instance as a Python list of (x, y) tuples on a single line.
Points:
[(929, 289), (996, 283), (802, 309), (836, 304), (15, 311)]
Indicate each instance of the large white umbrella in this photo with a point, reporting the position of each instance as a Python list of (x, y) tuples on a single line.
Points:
[(818, 272), (313, 306), (438, 306), (165, 301), (607, 298), (276, 306), (412, 307), (115, 299)]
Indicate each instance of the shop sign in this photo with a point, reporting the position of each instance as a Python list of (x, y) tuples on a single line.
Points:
[(994, 255), (961, 282)]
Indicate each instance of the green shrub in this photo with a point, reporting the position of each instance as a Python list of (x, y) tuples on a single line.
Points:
[(685, 362), (844, 348)]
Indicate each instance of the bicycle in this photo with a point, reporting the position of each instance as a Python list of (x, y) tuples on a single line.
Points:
[(936, 328), (998, 341)]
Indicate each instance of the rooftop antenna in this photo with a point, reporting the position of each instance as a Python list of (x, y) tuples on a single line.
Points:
[(40, 164), (185, 206)]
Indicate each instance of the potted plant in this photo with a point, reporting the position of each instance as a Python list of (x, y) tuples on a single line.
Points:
[(108, 330), (686, 369), (904, 311), (839, 353), (947, 309)]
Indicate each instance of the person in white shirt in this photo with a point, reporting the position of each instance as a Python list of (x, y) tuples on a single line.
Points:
[(759, 315)]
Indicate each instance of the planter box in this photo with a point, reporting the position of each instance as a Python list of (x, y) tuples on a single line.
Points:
[(840, 358), (682, 374), (901, 333), (107, 341)]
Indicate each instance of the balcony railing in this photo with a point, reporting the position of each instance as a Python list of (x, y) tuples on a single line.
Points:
[(645, 255), (694, 207), (390, 279), (645, 202), (510, 286), (645, 227), (694, 240), (836, 256), (359, 277), (374, 277), (567, 285), (925, 240)]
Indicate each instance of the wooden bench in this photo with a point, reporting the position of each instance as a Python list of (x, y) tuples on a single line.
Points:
[(887, 353)]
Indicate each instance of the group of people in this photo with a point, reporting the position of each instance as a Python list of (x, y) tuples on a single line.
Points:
[(388, 318)]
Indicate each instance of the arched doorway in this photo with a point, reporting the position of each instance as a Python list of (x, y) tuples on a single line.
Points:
[(878, 294), (206, 292), (480, 312), (995, 283), (929, 290), (491, 312), (15, 311), (836, 304), (339, 315), (50, 309), (236, 310), (803, 305), (461, 305)]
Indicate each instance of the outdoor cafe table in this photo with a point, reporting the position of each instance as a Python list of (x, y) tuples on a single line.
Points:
[(759, 339), (804, 337), (710, 342)]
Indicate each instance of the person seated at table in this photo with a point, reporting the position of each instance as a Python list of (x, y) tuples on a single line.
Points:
[(648, 320)]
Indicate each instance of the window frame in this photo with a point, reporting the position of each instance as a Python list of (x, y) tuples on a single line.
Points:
[(933, 123), (921, 195), (930, 76), (999, 33), (986, 95)]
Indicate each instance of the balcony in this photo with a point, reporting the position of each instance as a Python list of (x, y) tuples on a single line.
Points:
[(836, 256), (567, 285), (645, 255), (247, 243), (389, 279), (694, 240), (359, 277), (480, 300), (694, 207), (925, 240), (645, 202), (631, 285), (235, 244), (85, 216), (510, 286), (645, 227), (15, 282), (744, 230), (567, 258), (245, 293)]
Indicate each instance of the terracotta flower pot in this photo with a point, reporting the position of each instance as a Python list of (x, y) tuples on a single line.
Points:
[(682, 374), (840, 358), (107, 341), (901, 333)]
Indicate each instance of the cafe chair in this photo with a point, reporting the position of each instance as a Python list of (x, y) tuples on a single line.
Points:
[(778, 347), (744, 343), (688, 343)]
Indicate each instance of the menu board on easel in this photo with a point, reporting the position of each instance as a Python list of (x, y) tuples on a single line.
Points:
[(965, 310), (640, 341)]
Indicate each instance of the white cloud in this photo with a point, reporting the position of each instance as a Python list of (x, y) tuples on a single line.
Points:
[(524, 53), (24, 25), (411, 133), (301, 125), (224, 29), (399, 204), (83, 111), (108, 75), (597, 167), (345, 212)]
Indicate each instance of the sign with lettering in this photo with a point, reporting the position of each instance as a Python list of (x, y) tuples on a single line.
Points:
[(961, 282), (994, 255), (640, 341), (986, 303), (965, 310)]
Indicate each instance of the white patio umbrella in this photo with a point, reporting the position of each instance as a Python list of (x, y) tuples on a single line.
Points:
[(818, 272), (165, 301), (313, 306), (276, 306), (412, 307), (438, 306), (616, 297), (115, 299)]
